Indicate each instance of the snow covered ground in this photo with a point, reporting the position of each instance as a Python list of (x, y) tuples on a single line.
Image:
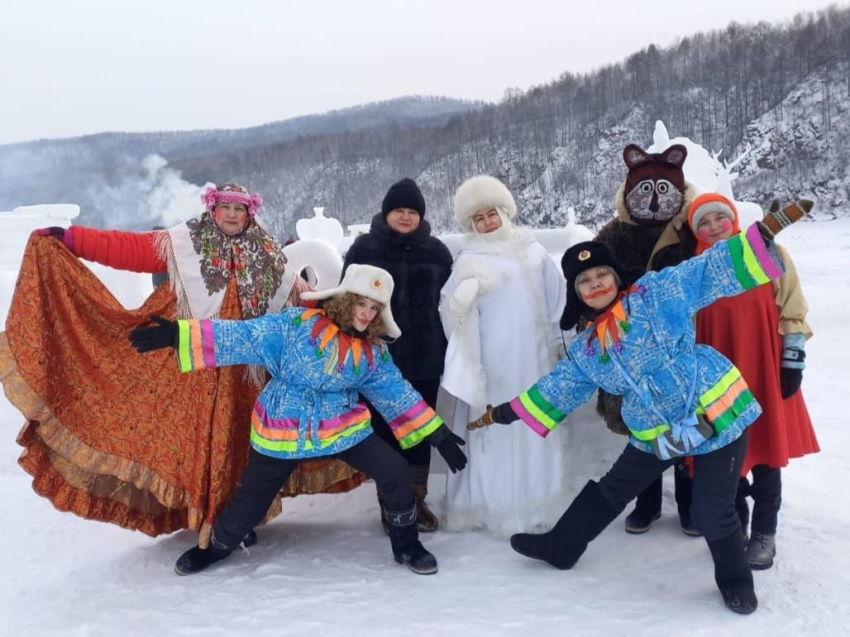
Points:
[(325, 567)]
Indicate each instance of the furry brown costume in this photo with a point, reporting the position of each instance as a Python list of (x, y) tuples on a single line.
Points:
[(650, 231)]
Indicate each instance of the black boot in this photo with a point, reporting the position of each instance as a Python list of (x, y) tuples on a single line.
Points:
[(647, 509), (585, 518), (733, 575), (197, 559), (426, 521), (761, 550), (383, 507), (250, 539), (407, 549)]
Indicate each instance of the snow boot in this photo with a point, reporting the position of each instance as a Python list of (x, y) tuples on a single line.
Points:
[(426, 521), (383, 507), (733, 575), (197, 559), (250, 539), (585, 518), (761, 550), (647, 509), (404, 538)]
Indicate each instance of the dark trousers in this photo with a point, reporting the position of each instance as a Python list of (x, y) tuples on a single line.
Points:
[(421, 453), (715, 485), (649, 500), (264, 476), (766, 491)]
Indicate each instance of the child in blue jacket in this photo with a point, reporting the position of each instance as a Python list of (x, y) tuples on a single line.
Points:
[(679, 398), (319, 359)]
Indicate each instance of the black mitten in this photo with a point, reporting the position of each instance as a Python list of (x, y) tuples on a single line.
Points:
[(449, 445), (792, 365), (148, 339), (790, 380)]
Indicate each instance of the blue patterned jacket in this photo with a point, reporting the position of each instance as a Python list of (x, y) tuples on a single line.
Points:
[(647, 353), (310, 406)]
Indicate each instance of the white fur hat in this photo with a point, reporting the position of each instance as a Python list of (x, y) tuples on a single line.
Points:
[(480, 192), (365, 280)]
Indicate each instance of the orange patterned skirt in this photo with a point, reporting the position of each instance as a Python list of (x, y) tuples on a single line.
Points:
[(117, 436)]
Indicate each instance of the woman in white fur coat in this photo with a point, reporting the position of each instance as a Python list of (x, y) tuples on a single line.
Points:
[(500, 309)]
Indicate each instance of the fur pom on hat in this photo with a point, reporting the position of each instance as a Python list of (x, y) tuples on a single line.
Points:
[(478, 193), (365, 280)]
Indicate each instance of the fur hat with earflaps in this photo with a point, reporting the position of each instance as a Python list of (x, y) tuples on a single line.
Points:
[(583, 256), (365, 280), (481, 192)]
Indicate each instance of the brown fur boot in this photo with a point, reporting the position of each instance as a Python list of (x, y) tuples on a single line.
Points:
[(426, 521)]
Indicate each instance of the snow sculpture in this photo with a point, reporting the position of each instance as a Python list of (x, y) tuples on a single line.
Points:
[(318, 260), (320, 227)]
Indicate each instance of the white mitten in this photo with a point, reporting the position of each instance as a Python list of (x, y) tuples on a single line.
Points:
[(463, 298)]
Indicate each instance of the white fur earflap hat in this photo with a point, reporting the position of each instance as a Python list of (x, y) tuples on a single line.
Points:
[(480, 192), (365, 280)]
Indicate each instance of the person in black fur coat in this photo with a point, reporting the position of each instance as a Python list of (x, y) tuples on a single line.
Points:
[(399, 241), (650, 233)]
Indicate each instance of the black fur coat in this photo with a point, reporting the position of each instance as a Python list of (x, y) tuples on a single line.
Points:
[(420, 265)]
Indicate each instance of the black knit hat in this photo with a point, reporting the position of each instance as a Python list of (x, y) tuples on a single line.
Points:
[(580, 257), (403, 194)]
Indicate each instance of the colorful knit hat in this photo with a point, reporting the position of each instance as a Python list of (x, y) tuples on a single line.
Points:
[(706, 204), (231, 193)]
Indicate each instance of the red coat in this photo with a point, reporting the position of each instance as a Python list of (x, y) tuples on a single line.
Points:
[(745, 329)]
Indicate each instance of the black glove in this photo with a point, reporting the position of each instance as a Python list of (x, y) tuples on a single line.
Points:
[(504, 414), (449, 445), (148, 339), (789, 380)]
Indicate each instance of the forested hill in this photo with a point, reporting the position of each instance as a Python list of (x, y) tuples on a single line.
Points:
[(782, 89)]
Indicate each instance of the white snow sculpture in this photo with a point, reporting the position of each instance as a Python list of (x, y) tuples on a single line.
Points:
[(706, 172), (317, 259), (320, 227)]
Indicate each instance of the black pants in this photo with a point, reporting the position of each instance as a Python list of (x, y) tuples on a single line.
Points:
[(419, 454), (649, 500), (264, 476), (715, 485), (766, 491)]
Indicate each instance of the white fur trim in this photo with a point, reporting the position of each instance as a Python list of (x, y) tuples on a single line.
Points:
[(369, 281), (480, 192)]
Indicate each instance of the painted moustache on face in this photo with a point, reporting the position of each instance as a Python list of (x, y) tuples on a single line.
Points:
[(600, 292)]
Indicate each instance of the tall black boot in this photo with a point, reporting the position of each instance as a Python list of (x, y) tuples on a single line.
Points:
[(383, 507), (426, 521), (647, 509), (733, 575), (407, 549), (585, 518)]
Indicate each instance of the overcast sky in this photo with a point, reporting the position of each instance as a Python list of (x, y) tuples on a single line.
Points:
[(73, 67)]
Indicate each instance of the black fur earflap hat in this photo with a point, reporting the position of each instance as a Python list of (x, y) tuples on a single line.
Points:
[(580, 257)]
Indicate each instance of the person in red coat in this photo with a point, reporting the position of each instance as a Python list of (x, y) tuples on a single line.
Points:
[(763, 332)]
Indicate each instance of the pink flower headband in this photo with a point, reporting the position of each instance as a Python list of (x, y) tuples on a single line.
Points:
[(213, 196)]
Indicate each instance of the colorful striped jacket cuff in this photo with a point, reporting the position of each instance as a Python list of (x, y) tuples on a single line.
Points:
[(537, 412), (753, 260), (195, 345)]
